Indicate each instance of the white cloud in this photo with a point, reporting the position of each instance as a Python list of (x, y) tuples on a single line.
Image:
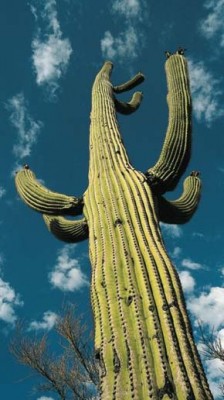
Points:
[(2, 192), (128, 8), (2, 259), (188, 263), (27, 129), (220, 337), (212, 26), (122, 47), (8, 301), (174, 231), (198, 234), (51, 53), (67, 274), (187, 281), (176, 252), (206, 93), (208, 307), (214, 369), (48, 322), (45, 398), (125, 46)]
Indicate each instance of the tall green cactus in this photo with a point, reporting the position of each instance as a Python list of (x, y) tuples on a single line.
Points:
[(143, 337)]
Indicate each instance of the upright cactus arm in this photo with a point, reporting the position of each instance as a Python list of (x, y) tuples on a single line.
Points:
[(66, 230), (131, 106), (181, 210), (176, 150), (43, 200)]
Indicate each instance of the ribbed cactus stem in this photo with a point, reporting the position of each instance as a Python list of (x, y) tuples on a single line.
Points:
[(136, 80), (43, 200), (176, 149), (131, 106), (143, 337), (66, 230), (181, 210)]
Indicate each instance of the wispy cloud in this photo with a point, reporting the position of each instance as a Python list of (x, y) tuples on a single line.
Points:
[(27, 129), (206, 93), (45, 398), (187, 281), (126, 45), (51, 52), (121, 47), (174, 231), (176, 252), (47, 323), (2, 192), (127, 8), (198, 234), (208, 307), (67, 274), (188, 263), (212, 26), (9, 300)]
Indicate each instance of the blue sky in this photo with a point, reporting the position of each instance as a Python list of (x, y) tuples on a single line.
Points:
[(50, 53)]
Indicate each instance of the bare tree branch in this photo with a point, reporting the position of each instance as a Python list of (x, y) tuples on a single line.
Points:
[(71, 373)]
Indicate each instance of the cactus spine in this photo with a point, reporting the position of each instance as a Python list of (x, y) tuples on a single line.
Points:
[(143, 337)]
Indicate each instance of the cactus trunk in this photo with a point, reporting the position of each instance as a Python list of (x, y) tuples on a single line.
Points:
[(143, 337)]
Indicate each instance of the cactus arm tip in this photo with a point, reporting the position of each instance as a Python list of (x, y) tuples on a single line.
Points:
[(39, 198), (181, 210), (67, 230)]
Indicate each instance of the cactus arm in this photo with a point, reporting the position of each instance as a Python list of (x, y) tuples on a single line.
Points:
[(43, 200), (66, 230), (180, 211), (136, 80), (130, 107), (174, 158)]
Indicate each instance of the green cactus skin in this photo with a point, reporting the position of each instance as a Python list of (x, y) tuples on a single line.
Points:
[(181, 210), (42, 199), (68, 231), (143, 337)]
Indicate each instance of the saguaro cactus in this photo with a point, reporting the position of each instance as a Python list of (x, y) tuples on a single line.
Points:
[(143, 338)]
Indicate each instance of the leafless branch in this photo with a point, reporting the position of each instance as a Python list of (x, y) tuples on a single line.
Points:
[(72, 373)]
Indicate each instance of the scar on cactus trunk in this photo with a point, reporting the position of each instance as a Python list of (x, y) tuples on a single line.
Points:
[(143, 337)]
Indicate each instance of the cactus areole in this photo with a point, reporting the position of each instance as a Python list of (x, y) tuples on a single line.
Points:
[(143, 337)]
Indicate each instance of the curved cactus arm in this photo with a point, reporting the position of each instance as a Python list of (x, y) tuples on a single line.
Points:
[(181, 210), (131, 106), (176, 150), (43, 200), (66, 230), (136, 80)]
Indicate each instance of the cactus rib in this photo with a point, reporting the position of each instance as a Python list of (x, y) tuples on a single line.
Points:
[(175, 154), (181, 210), (43, 200), (66, 230)]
